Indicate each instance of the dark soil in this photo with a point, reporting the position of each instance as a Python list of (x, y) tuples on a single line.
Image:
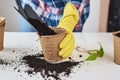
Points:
[(118, 34), (37, 64), (48, 69), (80, 56), (3, 62), (42, 28)]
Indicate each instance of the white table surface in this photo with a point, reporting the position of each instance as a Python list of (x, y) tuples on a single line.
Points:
[(101, 69)]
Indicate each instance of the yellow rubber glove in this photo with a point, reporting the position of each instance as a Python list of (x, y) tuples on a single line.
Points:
[(68, 22)]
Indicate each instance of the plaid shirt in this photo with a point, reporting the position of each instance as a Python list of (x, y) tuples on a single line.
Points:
[(51, 11)]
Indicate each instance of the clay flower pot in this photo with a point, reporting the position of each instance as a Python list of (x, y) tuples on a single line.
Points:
[(50, 45), (2, 26), (116, 38)]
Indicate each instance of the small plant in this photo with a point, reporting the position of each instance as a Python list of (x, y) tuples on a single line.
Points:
[(95, 53)]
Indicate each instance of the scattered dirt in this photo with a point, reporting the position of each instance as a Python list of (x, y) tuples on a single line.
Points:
[(3, 62), (48, 69), (36, 64)]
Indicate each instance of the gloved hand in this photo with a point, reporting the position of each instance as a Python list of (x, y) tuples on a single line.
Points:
[(68, 22)]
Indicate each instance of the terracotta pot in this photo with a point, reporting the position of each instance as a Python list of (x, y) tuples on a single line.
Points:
[(2, 26), (116, 47), (50, 45)]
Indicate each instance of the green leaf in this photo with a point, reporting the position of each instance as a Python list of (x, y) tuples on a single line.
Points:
[(100, 51), (92, 56), (95, 53)]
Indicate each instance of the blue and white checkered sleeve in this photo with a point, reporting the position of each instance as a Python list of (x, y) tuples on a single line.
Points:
[(85, 12), (33, 3), (83, 7)]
